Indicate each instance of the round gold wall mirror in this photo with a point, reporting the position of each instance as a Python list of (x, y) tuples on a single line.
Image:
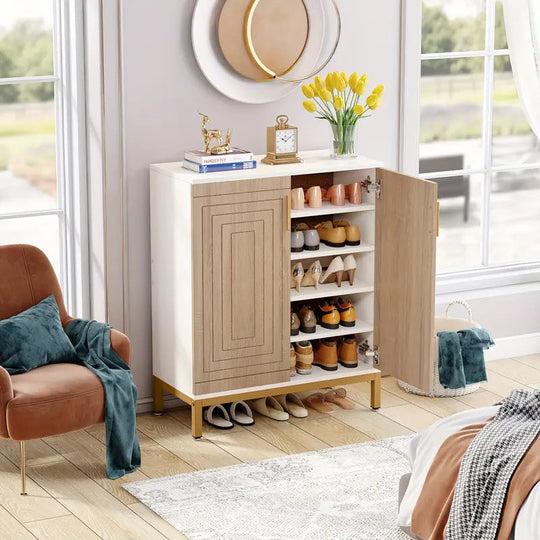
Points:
[(257, 51)]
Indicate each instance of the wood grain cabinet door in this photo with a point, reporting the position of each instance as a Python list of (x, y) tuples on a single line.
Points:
[(405, 235), (241, 293)]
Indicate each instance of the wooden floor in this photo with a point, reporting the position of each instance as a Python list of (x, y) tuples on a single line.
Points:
[(69, 496)]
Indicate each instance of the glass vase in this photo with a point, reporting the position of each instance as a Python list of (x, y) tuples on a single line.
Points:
[(344, 141)]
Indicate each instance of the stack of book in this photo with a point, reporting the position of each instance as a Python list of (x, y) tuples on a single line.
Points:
[(204, 162)]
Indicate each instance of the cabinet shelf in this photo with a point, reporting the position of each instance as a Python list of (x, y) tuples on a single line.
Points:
[(328, 209), (330, 289), (322, 333), (327, 251)]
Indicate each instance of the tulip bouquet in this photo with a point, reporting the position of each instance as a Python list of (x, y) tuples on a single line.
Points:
[(337, 98)]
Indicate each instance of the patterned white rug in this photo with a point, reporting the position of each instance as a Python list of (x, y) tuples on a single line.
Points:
[(349, 492)]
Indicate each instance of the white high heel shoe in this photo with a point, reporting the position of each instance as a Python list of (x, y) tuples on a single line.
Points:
[(349, 267), (334, 272)]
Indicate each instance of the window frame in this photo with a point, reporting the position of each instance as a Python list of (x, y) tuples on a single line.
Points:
[(409, 150), (68, 79)]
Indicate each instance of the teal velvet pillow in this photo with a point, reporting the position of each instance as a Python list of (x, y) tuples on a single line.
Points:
[(34, 338)]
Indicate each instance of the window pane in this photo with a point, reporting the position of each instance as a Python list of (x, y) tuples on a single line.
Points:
[(27, 147), (453, 25), (515, 217), (26, 41), (514, 143), (458, 244), (452, 94), (500, 31), (39, 231)]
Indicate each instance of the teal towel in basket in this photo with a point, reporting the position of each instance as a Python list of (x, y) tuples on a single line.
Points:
[(92, 342), (461, 357)]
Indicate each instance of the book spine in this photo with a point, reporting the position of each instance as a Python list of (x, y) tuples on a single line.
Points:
[(218, 159), (220, 167)]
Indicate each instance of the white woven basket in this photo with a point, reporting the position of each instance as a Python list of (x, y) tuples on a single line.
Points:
[(446, 324)]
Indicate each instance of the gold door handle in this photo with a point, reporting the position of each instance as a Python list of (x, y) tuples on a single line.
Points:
[(288, 212)]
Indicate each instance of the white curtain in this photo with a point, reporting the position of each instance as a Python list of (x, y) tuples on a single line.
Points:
[(522, 21)]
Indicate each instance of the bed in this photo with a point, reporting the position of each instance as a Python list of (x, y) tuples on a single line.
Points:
[(422, 452)]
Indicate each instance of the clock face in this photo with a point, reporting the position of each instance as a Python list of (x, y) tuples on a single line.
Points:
[(286, 142)]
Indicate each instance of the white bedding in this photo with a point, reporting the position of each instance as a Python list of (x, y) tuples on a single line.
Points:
[(422, 452)]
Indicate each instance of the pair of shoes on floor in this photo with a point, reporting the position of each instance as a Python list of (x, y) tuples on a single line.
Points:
[(303, 237), (331, 352), (280, 407), (220, 416), (338, 233), (321, 401), (301, 358), (335, 313)]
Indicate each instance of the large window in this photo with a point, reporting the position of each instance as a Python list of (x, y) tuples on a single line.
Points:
[(475, 141), (35, 137)]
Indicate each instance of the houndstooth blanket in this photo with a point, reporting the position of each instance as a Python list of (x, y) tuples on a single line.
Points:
[(488, 465)]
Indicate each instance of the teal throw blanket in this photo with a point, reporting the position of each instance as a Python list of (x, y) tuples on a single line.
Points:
[(92, 343), (461, 357)]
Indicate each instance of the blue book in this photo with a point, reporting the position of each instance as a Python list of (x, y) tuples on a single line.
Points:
[(219, 167)]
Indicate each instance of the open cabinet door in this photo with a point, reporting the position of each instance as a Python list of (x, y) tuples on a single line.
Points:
[(405, 235)]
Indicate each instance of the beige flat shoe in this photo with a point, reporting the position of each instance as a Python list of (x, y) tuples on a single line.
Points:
[(339, 397), (293, 405), (269, 407), (316, 401)]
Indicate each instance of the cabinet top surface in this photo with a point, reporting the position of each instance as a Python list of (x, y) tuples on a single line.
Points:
[(315, 161)]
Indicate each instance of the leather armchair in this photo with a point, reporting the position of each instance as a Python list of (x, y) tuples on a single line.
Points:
[(53, 399)]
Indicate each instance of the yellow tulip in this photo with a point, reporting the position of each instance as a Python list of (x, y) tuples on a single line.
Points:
[(326, 95), (314, 89), (360, 87), (358, 109), (330, 82), (344, 77), (378, 90), (373, 101), (365, 78), (338, 103), (309, 105), (319, 83), (308, 92), (353, 79), (340, 83)]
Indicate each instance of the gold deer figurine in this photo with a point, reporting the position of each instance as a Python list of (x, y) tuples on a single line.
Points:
[(215, 134)]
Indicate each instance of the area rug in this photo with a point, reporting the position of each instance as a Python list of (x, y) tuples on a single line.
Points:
[(348, 492)]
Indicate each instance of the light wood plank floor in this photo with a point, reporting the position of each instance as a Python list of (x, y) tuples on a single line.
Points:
[(70, 497)]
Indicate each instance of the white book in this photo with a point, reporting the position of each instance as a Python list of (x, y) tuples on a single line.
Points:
[(236, 155)]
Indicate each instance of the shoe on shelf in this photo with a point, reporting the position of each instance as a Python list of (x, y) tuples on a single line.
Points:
[(330, 235), (293, 405), (293, 361), (297, 198), (348, 353), (327, 315), (336, 194), (295, 324), (353, 192), (313, 275), (309, 238), (308, 321), (334, 272), (297, 274), (352, 232), (349, 268), (314, 197), (326, 356), (347, 314), (304, 357), (297, 242)]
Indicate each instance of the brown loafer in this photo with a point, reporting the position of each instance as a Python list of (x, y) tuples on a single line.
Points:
[(330, 235), (326, 356), (352, 232)]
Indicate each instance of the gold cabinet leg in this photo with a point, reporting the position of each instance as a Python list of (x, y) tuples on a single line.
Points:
[(22, 461), (158, 398), (376, 391), (196, 419)]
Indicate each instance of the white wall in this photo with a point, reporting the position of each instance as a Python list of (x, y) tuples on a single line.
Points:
[(164, 89)]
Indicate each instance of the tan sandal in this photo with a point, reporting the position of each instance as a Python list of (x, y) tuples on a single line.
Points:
[(339, 397), (316, 401)]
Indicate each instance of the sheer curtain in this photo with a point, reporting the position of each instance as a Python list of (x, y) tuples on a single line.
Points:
[(522, 21)]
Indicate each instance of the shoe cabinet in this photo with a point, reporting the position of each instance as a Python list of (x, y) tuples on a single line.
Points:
[(221, 264)]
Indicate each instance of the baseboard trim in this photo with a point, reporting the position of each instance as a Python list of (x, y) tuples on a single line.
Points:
[(512, 346), (169, 402)]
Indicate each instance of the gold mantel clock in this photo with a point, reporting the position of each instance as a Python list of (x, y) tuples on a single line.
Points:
[(281, 143)]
